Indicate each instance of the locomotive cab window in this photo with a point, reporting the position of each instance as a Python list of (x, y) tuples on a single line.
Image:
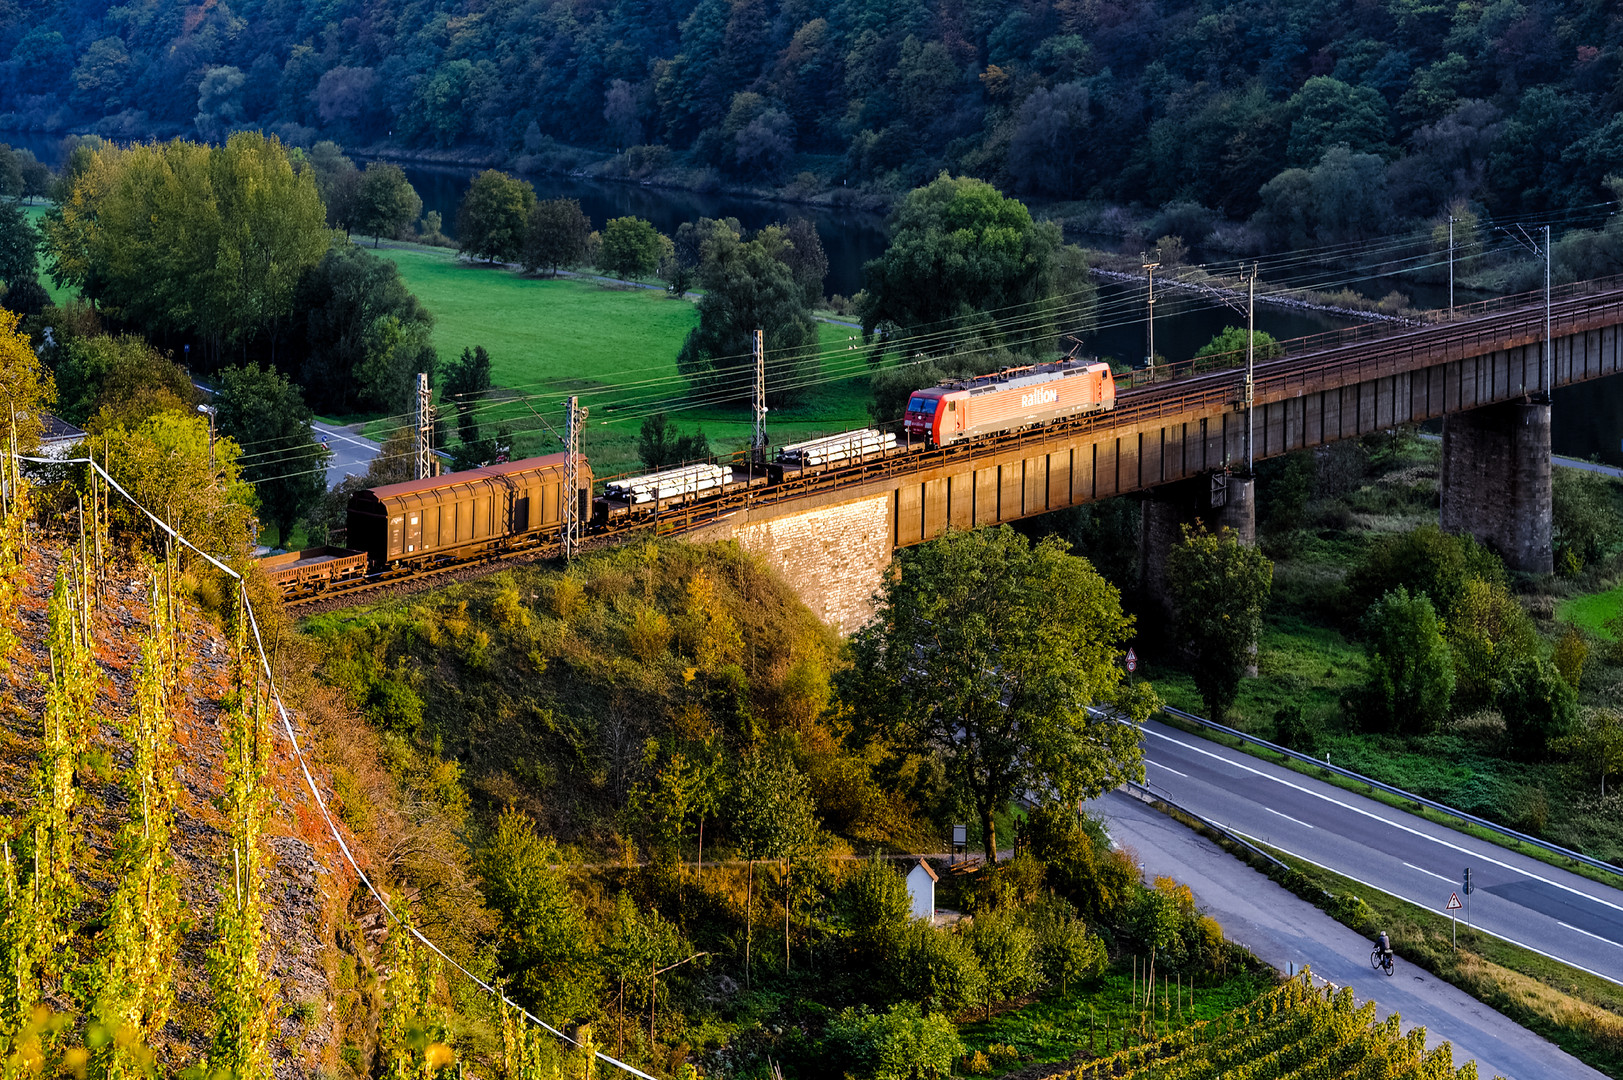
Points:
[(922, 405)]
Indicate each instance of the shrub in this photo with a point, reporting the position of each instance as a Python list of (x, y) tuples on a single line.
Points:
[(1488, 633), (897, 1045), (1296, 731), (1099, 881), (393, 705), (937, 968), (1066, 952), (648, 634), (1425, 561), (1411, 670), (1570, 653), (1538, 705), (1007, 952)]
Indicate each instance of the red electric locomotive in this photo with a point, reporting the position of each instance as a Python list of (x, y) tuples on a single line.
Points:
[(1009, 400)]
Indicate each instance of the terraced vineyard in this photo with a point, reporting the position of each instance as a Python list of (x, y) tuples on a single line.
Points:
[(1293, 1033)]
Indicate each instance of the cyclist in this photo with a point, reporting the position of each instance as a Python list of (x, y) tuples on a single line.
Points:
[(1383, 945)]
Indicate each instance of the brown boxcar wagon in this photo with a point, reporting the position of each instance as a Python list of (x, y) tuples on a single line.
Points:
[(464, 514)]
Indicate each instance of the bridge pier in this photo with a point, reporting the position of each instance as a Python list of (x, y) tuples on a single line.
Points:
[(1496, 481), (1219, 500)]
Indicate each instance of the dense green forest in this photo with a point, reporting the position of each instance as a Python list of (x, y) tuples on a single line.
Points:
[(1511, 103)]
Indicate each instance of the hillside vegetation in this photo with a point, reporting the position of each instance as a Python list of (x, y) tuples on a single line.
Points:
[(1513, 104)]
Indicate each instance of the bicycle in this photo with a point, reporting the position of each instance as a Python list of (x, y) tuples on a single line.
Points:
[(1382, 961)]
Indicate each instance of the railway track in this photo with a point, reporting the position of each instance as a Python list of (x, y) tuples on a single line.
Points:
[(1320, 360)]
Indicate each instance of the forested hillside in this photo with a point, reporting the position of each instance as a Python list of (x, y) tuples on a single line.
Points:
[(1511, 102)]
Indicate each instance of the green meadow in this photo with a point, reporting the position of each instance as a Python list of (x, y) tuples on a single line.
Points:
[(614, 347)]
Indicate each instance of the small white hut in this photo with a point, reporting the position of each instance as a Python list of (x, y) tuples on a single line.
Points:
[(921, 890)]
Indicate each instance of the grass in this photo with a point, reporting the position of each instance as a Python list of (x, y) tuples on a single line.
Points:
[(1591, 613), (615, 347), (1093, 1019), (58, 295), (1577, 1011)]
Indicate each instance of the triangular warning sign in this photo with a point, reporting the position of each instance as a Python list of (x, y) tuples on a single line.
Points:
[(1454, 901)]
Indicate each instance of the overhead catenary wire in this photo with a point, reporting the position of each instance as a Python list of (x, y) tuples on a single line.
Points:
[(304, 765)]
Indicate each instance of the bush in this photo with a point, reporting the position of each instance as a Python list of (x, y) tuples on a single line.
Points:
[(1296, 731), (1007, 952), (392, 705), (898, 1045), (1411, 670), (937, 968), (1066, 952), (1538, 705), (1099, 881), (1425, 561)]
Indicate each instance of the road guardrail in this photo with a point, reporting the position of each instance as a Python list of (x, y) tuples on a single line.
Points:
[(1420, 800)]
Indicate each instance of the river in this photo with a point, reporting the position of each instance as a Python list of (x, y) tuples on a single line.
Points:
[(1587, 421)]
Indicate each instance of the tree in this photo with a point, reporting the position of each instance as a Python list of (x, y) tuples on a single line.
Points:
[(937, 969), (748, 287), (337, 180), (19, 251), (988, 654), (1411, 669), (1219, 587), (467, 381), (557, 235), (959, 248), (1584, 520), (117, 380), (1597, 745), (1326, 112), (26, 388), (260, 408), (385, 202), (1538, 706), (169, 465), (179, 237), (1488, 634), (1424, 560), (1231, 345), (544, 947), (631, 248), (803, 253), (491, 221), (772, 818), (875, 907), (660, 443), (363, 336)]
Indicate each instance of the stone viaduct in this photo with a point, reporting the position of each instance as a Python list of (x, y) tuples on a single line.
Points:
[(1182, 441)]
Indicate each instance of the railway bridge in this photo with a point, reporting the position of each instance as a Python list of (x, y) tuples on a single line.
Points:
[(1181, 439)]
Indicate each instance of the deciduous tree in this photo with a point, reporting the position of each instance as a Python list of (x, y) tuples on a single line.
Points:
[(543, 948), (386, 205), (631, 248), (1411, 669), (557, 235), (1538, 706), (260, 408), (988, 654), (960, 248), (1219, 587), (26, 388), (491, 221), (363, 337), (748, 287), (661, 443)]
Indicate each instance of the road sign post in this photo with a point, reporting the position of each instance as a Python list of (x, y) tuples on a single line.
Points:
[(1454, 924), (1132, 664)]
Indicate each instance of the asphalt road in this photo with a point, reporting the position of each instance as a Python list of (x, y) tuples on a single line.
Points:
[(1288, 933), (1517, 898), (351, 453)]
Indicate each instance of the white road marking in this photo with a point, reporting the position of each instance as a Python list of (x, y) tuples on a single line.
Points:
[(1420, 904), (1489, 859), (1586, 933), (1168, 768), (1423, 870), (1287, 817)]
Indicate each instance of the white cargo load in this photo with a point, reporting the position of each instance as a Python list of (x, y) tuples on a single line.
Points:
[(688, 480), (836, 448)]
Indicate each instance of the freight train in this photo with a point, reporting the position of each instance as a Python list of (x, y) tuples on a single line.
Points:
[(483, 513)]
